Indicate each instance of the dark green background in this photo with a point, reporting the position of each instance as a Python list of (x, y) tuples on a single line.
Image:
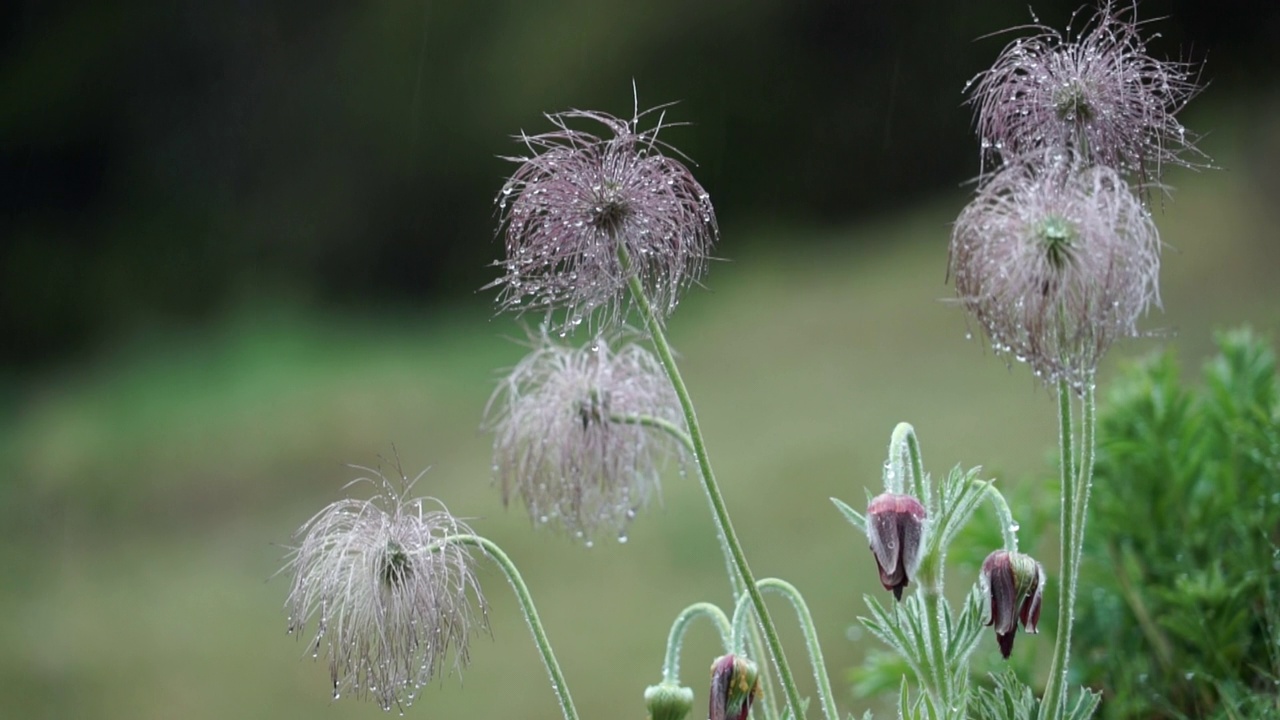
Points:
[(163, 162)]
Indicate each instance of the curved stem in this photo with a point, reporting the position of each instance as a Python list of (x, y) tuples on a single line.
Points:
[(671, 664), (718, 510), (904, 435), (558, 683), (666, 426), (811, 642), (1052, 703), (1008, 528)]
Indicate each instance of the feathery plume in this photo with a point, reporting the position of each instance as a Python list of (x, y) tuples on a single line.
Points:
[(1056, 262), (577, 198), (390, 598), (1097, 95), (569, 433)]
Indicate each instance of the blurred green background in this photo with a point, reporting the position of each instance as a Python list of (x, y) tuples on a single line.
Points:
[(240, 248)]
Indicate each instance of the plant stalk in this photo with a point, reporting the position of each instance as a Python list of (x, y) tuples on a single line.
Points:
[(718, 510)]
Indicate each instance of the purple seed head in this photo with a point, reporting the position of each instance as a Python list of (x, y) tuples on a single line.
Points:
[(1097, 95), (1056, 262), (573, 435), (577, 199)]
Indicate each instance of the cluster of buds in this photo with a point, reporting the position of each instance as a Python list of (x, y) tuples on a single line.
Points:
[(735, 686)]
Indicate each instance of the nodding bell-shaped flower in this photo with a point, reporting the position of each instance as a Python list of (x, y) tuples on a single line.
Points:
[(1015, 583), (735, 684), (895, 526)]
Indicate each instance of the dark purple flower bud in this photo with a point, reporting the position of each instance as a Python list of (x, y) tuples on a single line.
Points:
[(1015, 583), (895, 525), (735, 684)]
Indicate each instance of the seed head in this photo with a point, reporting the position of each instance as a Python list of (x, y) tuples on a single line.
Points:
[(1056, 262), (577, 198), (1097, 95), (391, 601), (567, 436)]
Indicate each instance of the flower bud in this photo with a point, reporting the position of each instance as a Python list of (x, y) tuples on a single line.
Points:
[(668, 701), (735, 683), (1015, 583), (895, 526)]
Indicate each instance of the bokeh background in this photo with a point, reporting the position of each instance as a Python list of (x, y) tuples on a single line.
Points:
[(240, 246)]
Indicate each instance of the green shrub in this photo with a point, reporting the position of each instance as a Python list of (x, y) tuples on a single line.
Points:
[(1178, 613)]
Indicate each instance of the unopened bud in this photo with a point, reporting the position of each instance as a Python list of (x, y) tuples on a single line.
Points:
[(668, 701), (735, 683)]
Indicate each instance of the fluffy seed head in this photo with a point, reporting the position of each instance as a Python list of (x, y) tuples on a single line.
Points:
[(565, 437), (1097, 95), (390, 601), (1056, 262), (578, 197)]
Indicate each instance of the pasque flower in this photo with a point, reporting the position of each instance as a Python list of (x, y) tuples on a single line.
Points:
[(578, 198), (895, 527), (1056, 262), (1015, 584), (735, 684), (572, 434), (1097, 95), (390, 600)]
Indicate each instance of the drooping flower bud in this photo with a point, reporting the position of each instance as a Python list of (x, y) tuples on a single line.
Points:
[(1015, 584), (735, 684), (895, 526), (668, 701)]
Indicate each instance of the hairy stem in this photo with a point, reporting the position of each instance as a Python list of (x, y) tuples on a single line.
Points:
[(1054, 700), (825, 695), (666, 426), (1008, 528), (675, 640), (719, 512), (558, 683)]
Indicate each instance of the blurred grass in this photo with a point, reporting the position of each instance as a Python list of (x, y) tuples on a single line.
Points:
[(146, 495)]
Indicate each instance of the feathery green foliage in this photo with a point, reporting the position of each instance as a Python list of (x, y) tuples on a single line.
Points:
[(1182, 554)]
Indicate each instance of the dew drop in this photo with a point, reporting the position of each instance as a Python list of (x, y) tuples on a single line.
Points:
[(1014, 526)]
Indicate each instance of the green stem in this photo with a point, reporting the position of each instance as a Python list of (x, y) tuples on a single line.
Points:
[(675, 640), (904, 435), (558, 683), (1008, 528), (811, 642), (666, 426), (1053, 702), (718, 510), (938, 663)]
